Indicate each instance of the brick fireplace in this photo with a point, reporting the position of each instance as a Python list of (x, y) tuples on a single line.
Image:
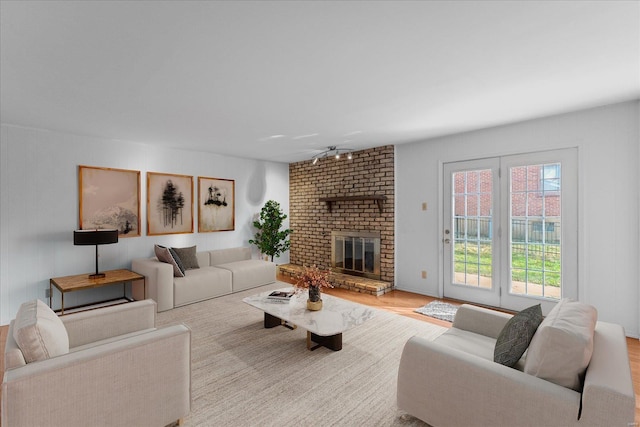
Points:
[(341, 195)]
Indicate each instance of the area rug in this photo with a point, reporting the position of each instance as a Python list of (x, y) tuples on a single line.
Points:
[(246, 375), (439, 310)]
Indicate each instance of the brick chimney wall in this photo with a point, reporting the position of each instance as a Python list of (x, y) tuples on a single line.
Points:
[(370, 172)]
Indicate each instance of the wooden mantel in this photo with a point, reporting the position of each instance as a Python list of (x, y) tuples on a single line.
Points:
[(379, 199)]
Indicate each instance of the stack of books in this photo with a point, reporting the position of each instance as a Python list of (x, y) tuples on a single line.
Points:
[(280, 296)]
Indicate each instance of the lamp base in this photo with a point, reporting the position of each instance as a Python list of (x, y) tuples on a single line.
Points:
[(97, 276)]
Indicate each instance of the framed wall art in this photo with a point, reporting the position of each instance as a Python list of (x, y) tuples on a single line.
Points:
[(216, 204), (169, 204), (109, 198)]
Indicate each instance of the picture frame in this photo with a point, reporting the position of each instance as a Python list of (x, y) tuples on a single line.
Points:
[(109, 198), (169, 204), (216, 204)]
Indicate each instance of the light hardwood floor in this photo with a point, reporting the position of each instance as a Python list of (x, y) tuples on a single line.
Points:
[(404, 303)]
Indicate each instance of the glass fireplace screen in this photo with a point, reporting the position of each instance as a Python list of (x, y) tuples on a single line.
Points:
[(356, 252)]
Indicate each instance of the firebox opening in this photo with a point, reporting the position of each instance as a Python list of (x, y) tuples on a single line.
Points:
[(356, 252)]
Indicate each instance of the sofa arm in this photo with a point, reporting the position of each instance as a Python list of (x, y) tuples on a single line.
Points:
[(159, 277), (108, 322), (608, 396), (480, 320), (444, 386), (143, 381)]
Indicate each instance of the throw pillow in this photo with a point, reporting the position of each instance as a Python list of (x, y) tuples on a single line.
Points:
[(561, 348), (39, 332), (188, 257), (164, 255), (516, 335)]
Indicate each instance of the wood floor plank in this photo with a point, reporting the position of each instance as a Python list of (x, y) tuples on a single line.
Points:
[(3, 339)]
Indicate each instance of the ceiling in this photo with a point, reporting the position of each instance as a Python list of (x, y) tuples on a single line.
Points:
[(281, 81)]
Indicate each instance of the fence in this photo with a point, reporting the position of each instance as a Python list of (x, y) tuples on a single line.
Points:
[(522, 230)]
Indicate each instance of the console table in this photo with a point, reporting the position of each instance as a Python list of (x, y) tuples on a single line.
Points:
[(83, 281)]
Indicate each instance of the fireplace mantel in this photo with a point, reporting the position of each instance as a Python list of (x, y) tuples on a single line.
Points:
[(379, 199)]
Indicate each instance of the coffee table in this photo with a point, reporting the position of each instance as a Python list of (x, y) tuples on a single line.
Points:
[(324, 327)]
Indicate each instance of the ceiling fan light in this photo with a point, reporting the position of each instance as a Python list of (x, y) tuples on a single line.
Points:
[(315, 160), (337, 155), (349, 156)]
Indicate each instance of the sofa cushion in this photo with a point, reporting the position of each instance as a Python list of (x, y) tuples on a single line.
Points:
[(250, 273), (516, 336), (468, 342), (188, 257), (561, 348), (164, 255), (225, 256), (39, 332), (200, 284)]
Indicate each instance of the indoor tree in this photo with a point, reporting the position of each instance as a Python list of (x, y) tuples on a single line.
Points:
[(269, 239)]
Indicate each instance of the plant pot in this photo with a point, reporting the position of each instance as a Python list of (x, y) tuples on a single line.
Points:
[(314, 302), (314, 305)]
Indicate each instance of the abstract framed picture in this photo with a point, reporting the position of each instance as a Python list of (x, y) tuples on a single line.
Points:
[(169, 204), (109, 198), (216, 204)]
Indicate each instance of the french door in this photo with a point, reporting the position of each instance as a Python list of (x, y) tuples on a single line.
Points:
[(510, 229)]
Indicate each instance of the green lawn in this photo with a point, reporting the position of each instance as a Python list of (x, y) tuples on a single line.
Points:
[(543, 262)]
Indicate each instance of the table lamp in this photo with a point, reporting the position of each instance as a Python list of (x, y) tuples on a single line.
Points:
[(95, 237)]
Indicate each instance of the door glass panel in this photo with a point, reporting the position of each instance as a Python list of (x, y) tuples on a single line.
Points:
[(535, 198), (472, 228)]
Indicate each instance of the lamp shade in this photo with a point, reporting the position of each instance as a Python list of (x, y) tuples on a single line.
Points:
[(95, 237)]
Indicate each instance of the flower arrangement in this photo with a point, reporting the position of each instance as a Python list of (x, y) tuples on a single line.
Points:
[(314, 279)]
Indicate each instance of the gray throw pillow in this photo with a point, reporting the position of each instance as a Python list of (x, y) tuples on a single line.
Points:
[(188, 257), (165, 255), (516, 336)]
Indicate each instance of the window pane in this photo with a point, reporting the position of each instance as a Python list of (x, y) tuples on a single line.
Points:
[(535, 230), (472, 233)]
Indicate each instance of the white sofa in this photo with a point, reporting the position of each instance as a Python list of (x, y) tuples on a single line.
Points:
[(221, 272), (453, 380)]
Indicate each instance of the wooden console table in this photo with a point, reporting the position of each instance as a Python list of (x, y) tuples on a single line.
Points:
[(82, 281)]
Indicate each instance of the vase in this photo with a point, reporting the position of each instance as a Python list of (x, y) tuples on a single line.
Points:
[(314, 303)]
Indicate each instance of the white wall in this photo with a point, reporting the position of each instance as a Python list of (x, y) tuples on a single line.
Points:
[(39, 207), (608, 141)]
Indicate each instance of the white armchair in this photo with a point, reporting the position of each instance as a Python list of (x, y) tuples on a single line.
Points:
[(453, 379), (117, 368)]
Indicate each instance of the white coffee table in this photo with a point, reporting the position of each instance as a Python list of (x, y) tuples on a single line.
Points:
[(324, 327)]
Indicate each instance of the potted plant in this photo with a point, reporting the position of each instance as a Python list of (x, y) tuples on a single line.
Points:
[(313, 279), (269, 239)]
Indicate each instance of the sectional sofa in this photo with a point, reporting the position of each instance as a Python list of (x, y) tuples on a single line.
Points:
[(220, 272)]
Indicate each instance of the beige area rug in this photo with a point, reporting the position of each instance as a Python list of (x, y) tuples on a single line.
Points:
[(246, 375)]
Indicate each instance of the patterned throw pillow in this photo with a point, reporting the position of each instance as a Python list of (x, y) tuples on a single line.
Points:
[(164, 255), (188, 257), (516, 336)]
